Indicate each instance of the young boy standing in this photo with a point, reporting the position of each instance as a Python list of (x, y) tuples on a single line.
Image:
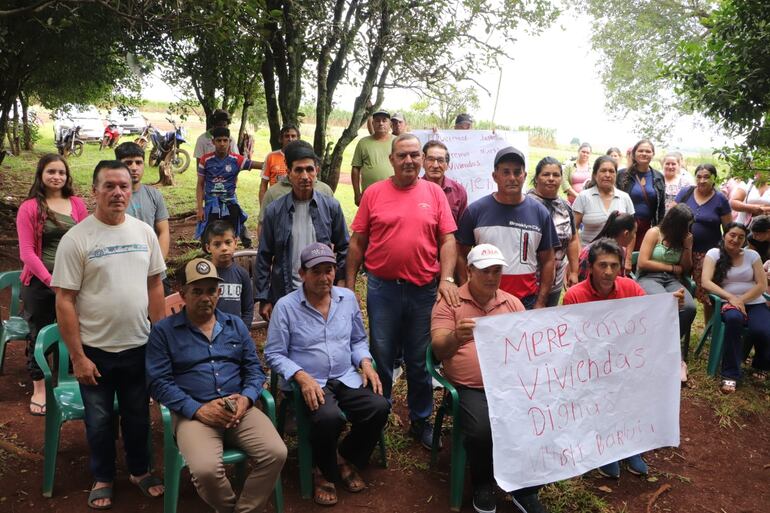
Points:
[(236, 295), (215, 192)]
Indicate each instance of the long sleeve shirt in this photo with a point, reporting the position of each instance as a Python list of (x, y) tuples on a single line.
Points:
[(185, 369), (300, 338)]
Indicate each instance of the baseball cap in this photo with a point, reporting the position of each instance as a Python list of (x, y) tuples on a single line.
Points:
[(509, 154), (317, 253), (398, 116), (485, 255), (381, 113), (463, 118), (199, 269), (298, 150)]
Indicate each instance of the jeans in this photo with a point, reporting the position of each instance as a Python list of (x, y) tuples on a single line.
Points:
[(399, 314), (758, 322), (660, 283), (122, 374)]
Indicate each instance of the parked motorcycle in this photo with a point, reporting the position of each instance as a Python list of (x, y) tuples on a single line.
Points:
[(110, 138), (145, 136), (167, 146), (68, 141)]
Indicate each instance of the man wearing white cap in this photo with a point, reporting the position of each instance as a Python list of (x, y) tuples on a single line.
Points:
[(453, 344)]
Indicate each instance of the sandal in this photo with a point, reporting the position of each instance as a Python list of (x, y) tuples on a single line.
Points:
[(352, 481), (327, 488), (728, 386), (759, 375), (41, 409), (146, 483), (100, 493)]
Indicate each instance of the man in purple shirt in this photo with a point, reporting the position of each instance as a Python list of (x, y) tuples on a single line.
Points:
[(435, 164), (316, 338)]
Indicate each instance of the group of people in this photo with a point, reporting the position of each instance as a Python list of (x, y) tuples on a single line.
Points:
[(432, 262)]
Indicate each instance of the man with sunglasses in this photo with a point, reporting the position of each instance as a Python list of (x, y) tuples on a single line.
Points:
[(405, 232), (435, 164), (517, 224)]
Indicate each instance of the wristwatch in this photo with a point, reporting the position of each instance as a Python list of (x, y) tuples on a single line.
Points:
[(449, 279)]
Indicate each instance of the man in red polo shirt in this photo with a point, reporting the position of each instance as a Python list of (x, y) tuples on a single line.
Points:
[(453, 344)]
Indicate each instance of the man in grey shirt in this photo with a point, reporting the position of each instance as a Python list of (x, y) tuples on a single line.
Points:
[(147, 203)]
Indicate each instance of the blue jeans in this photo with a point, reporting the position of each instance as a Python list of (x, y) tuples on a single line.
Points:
[(399, 314), (122, 374), (758, 323)]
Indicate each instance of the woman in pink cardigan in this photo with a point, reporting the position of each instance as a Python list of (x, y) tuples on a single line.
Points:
[(50, 210)]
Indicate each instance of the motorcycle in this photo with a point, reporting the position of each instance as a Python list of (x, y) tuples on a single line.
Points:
[(145, 136), (68, 141), (110, 138), (167, 147)]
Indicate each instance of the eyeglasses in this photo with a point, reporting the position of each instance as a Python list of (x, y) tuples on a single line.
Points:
[(438, 160), (415, 155)]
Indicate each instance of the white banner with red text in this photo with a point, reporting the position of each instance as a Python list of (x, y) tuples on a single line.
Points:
[(575, 387)]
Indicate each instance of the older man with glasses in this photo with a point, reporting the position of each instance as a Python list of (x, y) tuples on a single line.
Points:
[(435, 164)]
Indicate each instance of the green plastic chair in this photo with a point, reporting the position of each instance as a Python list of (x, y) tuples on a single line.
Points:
[(304, 450), (689, 284), (450, 403), (15, 327), (173, 462), (716, 330)]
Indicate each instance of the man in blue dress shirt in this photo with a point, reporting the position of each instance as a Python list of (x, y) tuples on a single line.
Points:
[(316, 338), (202, 364)]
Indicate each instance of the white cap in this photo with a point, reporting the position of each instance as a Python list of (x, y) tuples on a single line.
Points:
[(485, 255)]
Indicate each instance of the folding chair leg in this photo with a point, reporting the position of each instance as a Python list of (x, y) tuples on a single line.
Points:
[(457, 471), (305, 455), (278, 495), (53, 424), (173, 464), (706, 332), (717, 345)]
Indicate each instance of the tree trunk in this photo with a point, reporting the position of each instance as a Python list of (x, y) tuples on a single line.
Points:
[(247, 102), (26, 132), (13, 135), (165, 175), (271, 102)]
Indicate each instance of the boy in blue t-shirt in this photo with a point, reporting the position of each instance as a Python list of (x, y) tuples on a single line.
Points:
[(236, 294), (215, 191)]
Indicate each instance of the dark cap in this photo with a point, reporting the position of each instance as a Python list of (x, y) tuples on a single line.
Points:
[(199, 269), (220, 131), (298, 150), (381, 113), (510, 154), (317, 253), (463, 118), (220, 115)]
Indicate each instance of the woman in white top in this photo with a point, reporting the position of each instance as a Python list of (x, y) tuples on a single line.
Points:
[(600, 197), (750, 199), (736, 275)]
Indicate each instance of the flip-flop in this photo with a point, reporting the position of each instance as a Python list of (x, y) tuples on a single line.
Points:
[(100, 493), (327, 488), (349, 481), (146, 483), (40, 413)]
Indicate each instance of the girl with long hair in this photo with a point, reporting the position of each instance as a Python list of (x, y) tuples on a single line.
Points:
[(51, 208), (735, 274)]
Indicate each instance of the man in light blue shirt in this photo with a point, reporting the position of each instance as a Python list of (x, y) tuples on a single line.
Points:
[(316, 338)]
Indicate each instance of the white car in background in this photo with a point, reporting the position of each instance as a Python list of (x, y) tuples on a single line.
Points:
[(87, 117), (128, 121)]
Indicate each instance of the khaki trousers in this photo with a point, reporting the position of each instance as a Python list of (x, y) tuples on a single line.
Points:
[(202, 448)]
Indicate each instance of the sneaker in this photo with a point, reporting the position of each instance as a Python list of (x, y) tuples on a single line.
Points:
[(484, 499), (422, 431), (397, 372), (529, 503), (636, 465), (611, 470)]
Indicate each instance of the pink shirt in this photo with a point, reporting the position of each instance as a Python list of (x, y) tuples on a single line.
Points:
[(403, 227), (30, 229)]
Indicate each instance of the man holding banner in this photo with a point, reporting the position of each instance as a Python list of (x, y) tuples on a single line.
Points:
[(517, 224), (452, 343)]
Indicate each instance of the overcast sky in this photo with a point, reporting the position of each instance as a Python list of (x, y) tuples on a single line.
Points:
[(552, 82)]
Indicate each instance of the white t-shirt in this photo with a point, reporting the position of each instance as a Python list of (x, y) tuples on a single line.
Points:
[(740, 278), (753, 197), (109, 266), (205, 144), (590, 204)]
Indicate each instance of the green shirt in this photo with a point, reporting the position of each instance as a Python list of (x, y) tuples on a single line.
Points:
[(372, 156), (52, 234)]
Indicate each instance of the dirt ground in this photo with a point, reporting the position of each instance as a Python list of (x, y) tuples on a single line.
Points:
[(715, 470)]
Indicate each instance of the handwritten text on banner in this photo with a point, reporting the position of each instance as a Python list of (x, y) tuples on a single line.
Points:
[(576, 387)]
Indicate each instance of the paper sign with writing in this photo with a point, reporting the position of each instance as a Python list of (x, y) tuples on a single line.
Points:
[(575, 387), (472, 155)]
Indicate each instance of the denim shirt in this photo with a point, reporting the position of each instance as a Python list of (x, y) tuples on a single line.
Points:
[(185, 369), (272, 275), (299, 338)]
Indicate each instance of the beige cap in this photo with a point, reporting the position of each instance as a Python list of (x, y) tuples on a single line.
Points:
[(199, 269)]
